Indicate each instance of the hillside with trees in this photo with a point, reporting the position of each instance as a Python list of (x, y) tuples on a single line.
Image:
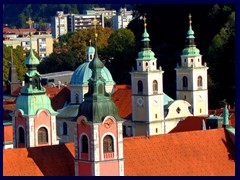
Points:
[(167, 25)]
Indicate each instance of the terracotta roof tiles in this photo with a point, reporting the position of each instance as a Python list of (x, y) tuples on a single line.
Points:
[(123, 100), (195, 153), (56, 160)]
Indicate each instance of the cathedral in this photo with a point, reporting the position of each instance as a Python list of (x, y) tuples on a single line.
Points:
[(88, 137)]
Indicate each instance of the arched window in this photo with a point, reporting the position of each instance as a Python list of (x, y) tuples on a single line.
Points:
[(140, 87), (42, 136), (65, 128), (108, 144), (90, 56), (77, 98), (155, 86), (199, 81), (185, 82), (146, 64), (21, 135), (84, 143)]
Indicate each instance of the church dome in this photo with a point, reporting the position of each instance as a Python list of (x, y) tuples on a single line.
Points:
[(90, 50), (191, 51), (83, 73)]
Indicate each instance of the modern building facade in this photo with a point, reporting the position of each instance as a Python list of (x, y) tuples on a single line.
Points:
[(42, 44), (64, 23), (122, 19)]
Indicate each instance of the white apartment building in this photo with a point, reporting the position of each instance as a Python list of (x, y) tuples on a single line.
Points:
[(64, 23), (42, 44), (59, 24), (107, 13), (122, 19)]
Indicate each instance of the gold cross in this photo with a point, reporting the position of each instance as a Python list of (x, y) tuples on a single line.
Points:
[(90, 41), (30, 22), (94, 22), (190, 18)]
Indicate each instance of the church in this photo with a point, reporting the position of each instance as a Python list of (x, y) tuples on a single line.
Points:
[(89, 137)]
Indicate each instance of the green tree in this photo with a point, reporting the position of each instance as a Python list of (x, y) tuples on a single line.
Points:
[(64, 61), (18, 57), (120, 54), (79, 41), (221, 59)]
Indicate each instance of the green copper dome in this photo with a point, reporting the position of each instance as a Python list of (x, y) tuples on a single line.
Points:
[(98, 103), (146, 53), (90, 49), (83, 73), (190, 50), (145, 35), (33, 96), (31, 104)]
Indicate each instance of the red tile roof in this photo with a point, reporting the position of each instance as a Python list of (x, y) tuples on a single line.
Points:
[(191, 123), (8, 30), (194, 153), (56, 160), (60, 98), (122, 97)]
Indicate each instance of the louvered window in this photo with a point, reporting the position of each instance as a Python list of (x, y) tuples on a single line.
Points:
[(42, 136), (108, 144)]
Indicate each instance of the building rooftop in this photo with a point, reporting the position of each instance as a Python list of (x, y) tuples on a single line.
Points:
[(193, 153)]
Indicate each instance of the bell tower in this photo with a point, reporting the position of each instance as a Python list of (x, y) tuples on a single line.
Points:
[(99, 139), (191, 77), (147, 92), (34, 120)]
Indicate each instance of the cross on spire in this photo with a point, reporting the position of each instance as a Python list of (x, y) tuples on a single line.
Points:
[(30, 22), (190, 19), (144, 19), (90, 41), (95, 22)]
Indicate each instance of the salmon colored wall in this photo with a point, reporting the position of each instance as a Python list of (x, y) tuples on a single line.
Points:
[(102, 131), (86, 130), (109, 168), (20, 121), (43, 118), (8, 133), (84, 169)]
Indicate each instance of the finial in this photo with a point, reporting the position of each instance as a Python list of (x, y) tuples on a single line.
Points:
[(30, 22), (94, 22), (90, 41), (190, 19), (144, 19)]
